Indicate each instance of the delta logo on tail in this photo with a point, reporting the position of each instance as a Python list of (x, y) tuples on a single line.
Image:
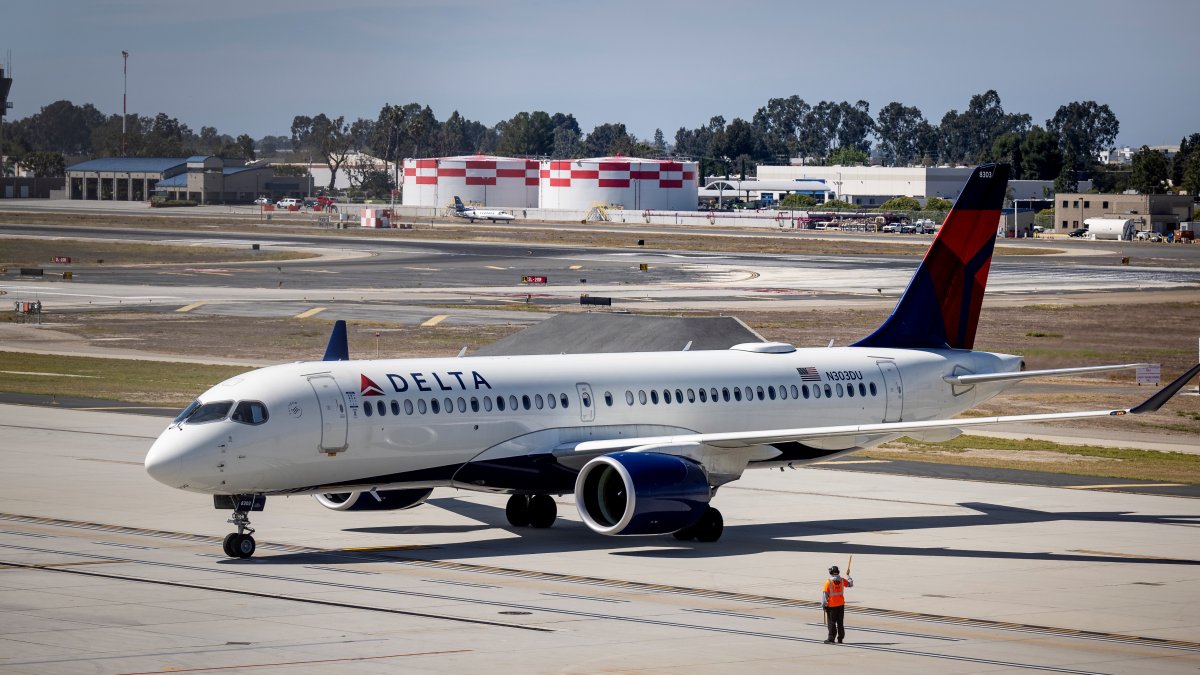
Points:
[(369, 388)]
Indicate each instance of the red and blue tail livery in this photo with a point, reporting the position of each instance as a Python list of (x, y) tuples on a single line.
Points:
[(940, 307)]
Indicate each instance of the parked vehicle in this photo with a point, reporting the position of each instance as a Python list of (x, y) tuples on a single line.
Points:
[(1078, 232), (263, 200), (289, 202)]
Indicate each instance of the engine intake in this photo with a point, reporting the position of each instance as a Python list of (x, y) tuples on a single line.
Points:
[(389, 500), (631, 493)]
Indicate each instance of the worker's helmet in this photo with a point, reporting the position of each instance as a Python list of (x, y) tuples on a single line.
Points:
[(833, 570)]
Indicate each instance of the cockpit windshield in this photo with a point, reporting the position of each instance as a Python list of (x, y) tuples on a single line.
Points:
[(186, 412), (209, 412)]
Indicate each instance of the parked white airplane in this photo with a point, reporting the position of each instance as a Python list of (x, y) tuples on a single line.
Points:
[(472, 213), (642, 440)]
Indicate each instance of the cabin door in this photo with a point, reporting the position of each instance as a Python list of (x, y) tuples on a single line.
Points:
[(333, 413), (587, 406), (893, 389)]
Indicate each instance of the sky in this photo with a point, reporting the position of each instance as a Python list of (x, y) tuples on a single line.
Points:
[(250, 66)]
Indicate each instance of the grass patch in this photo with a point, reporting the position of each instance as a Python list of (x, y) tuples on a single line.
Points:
[(154, 382), (15, 252), (1047, 456)]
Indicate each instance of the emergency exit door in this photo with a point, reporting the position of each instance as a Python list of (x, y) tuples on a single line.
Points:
[(333, 413)]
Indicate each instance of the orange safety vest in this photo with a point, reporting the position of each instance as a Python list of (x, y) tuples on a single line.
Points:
[(835, 587)]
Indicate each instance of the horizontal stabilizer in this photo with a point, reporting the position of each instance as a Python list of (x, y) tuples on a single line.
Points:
[(969, 379)]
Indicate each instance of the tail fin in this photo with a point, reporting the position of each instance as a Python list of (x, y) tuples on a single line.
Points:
[(458, 205), (940, 307), (338, 348)]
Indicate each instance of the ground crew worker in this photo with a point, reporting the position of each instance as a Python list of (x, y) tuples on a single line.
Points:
[(833, 601)]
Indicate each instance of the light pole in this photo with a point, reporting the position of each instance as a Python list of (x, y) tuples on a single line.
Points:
[(124, 95)]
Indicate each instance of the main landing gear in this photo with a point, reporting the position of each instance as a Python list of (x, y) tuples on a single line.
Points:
[(531, 511), (239, 544), (707, 529)]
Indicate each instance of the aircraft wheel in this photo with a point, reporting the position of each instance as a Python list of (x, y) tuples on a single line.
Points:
[(710, 526), (227, 545), (686, 534), (517, 510), (542, 511)]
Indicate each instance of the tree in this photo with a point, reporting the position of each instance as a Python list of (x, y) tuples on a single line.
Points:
[(855, 125), (900, 204), (660, 144), (1067, 180), (246, 146), (1187, 147), (1083, 129), (1041, 158), (898, 128), (779, 124), (1007, 148), (1190, 182), (63, 127), (938, 204), (1149, 171), (45, 164), (849, 157), (838, 205), (796, 200), (530, 134), (608, 139), (970, 136), (329, 139)]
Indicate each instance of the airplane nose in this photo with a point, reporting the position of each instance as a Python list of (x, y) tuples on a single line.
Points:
[(164, 462)]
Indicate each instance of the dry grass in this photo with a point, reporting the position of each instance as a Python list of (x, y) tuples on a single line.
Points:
[(16, 252)]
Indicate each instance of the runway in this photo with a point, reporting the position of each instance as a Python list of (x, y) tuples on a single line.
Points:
[(103, 569)]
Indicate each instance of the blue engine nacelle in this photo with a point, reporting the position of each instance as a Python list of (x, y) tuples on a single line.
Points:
[(641, 493), (389, 500)]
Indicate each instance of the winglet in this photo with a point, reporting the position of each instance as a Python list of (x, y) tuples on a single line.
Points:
[(1163, 395), (940, 307), (338, 348)]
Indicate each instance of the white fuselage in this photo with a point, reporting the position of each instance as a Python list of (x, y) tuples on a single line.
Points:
[(484, 214), (503, 423)]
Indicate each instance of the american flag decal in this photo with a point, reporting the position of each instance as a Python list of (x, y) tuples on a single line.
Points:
[(809, 374)]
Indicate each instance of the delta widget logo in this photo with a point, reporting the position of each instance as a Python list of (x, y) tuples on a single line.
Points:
[(369, 388)]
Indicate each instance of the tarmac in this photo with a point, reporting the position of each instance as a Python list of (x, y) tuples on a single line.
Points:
[(104, 570)]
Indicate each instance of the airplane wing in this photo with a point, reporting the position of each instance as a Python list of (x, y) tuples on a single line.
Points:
[(742, 439)]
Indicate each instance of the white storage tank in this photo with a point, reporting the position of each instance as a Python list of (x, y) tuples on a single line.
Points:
[(628, 182), (481, 180), (1120, 229)]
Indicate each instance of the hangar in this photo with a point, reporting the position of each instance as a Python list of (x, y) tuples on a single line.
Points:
[(202, 179)]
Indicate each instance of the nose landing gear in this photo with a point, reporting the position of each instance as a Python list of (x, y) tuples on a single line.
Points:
[(240, 544)]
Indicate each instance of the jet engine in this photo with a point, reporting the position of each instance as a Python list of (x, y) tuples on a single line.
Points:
[(388, 500), (641, 493)]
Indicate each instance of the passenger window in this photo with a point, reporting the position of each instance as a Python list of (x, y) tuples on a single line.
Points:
[(421, 406), (408, 406), (770, 392), (381, 408), (525, 403), (210, 412), (586, 399), (712, 393), (794, 393), (642, 396), (828, 391), (840, 392), (566, 402), (500, 403), (862, 389), (537, 401), (462, 404), (816, 391), (691, 395), (607, 399), (551, 401), (783, 392), (749, 393), (761, 394), (628, 397), (368, 410), (487, 403), (395, 407), (474, 404), (703, 395), (249, 412), (873, 389), (725, 394), (449, 407), (512, 401), (678, 396), (666, 396), (737, 393), (804, 389), (435, 406), (654, 396), (850, 390)]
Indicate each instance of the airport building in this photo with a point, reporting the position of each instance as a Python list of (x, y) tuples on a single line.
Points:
[(1149, 213), (202, 179), (871, 186), (477, 179)]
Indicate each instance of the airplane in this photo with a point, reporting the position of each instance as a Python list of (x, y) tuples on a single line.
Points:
[(643, 441), (472, 213)]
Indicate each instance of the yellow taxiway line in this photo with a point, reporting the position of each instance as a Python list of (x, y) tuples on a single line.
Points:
[(188, 308), (435, 320), (312, 312)]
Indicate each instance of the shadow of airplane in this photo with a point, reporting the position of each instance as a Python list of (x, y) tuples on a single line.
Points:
[(569, 535)]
